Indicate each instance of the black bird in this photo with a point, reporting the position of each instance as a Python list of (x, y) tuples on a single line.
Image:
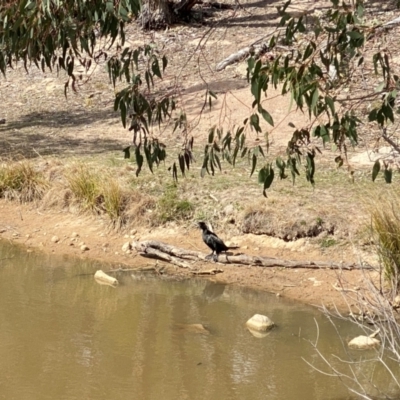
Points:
[(213, 242)]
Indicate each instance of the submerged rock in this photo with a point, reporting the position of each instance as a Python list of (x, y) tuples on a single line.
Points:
[(258, 334), (193, 328), (363, 342), (259, 323)]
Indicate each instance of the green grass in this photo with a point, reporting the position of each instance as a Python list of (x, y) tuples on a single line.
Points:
[(327, 242), (172, 208)]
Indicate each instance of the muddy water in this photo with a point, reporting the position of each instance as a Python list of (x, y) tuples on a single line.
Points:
[(63, 336)]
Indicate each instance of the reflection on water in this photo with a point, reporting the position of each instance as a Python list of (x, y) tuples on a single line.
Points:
[(62, 336)]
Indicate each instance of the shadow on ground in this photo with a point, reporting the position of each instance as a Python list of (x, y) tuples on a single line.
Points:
[(62, 133)]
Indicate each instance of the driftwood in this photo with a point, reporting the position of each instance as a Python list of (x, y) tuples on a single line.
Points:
[(392, 22), (175, 255), (257, 50)]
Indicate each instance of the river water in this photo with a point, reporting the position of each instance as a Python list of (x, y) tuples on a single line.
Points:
[(63, 336)]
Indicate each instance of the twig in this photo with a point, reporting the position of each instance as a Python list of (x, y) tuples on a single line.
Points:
[(390, 141), (342, 289)]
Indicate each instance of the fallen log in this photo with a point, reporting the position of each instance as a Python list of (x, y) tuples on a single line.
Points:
[(175, 255), (161, 251), (256, 50)]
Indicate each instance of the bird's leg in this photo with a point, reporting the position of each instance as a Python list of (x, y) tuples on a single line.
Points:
[(210, 255), (215, 258)]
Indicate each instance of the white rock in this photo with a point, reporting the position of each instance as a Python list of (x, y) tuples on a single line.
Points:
[(55, 239), (315, 281), (259, 323), (363, 342), (126, 247), (74, 235), (103, 279), (229, 209), (84, 247)]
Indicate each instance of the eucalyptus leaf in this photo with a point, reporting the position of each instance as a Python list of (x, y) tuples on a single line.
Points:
[(375, 170), (253, 164), (127, 152), (388, 175)]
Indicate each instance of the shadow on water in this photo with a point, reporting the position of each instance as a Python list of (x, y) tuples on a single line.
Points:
[(63, 336)]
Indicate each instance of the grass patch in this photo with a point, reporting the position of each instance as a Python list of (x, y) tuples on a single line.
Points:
[(171, 208), (327, 242), (20, 181), (385, 220), (102, 193), (106, 185), (84, 185), (115, 201)]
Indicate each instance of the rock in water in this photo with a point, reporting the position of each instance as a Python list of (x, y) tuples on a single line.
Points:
[(260, 323), (363, 342), (103, 279)]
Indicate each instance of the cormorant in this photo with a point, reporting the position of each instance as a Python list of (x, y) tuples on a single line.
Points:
[(213, 242)]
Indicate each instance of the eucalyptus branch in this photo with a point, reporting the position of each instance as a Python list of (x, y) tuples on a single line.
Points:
[(390, 141)]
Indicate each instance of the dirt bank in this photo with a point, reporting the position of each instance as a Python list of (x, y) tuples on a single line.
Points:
[(63, 233)]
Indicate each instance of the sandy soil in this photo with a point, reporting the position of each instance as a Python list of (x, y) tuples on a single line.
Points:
[(57, 232)]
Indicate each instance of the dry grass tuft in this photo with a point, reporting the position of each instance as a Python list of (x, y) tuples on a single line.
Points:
[(58, 197), (385, 224), (84, 185), (20, 181), (101, 193), (140, 210)]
